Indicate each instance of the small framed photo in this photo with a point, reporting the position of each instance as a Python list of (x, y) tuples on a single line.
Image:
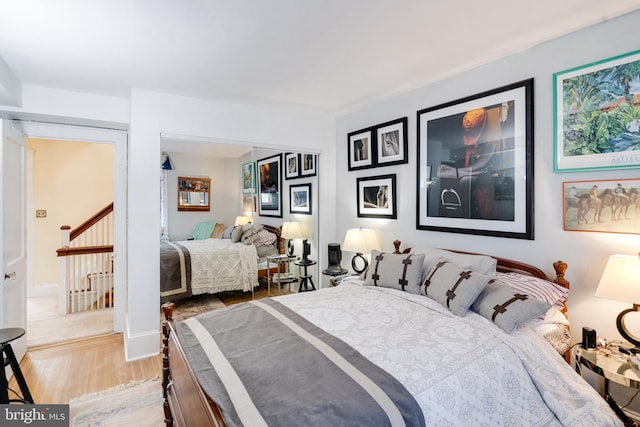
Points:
[(248, 178), (392, 143), (596, 117), (269, 187), (308, 164), (360, 149), (607, 206), (248, 203), (377, 197), (300, 199), (292, 165)]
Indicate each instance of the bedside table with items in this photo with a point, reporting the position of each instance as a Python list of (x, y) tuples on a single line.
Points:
[(286, 277), (613, 362)]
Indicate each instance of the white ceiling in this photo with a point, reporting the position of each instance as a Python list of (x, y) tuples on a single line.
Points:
[(329, 54)]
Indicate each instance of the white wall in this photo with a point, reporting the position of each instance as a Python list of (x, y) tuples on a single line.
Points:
[(586, 253), (224, 194)]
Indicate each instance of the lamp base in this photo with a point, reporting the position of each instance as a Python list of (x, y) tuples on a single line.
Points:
[(623, 329), (354, 263)]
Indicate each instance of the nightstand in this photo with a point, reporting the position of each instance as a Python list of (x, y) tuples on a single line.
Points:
[(611, 365), (282, 262), (305, 277)]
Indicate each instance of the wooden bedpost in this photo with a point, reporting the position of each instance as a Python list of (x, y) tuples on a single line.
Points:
[(561, 267), (167, 309)]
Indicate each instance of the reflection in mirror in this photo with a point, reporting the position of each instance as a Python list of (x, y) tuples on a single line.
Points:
[(193, 194)]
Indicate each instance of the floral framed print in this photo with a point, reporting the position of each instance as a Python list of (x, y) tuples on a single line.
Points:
[(248, 178), (475, 164), (308, 164), (607, 206), (300, 199), (392, 143), (377, 197), (292, 165), (360, 149), (597, 115), (269, 186)]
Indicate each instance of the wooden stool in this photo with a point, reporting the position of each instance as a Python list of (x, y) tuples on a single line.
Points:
[(6, 336)]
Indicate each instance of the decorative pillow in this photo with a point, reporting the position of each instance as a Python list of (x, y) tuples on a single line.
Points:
[(507, 307), (398, 271), (203, 230), (233, 232), (249, 232), (264, 238), (452, 286), (217, 231), (481, 263), (539, 289)]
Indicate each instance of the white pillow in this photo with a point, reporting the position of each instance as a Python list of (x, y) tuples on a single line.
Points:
[(480, 263), (540, 289)]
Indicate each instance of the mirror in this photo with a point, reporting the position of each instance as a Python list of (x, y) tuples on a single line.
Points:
[(193, 194)]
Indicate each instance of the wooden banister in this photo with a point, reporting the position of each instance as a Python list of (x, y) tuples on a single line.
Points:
[(89, 222), (84, 250)]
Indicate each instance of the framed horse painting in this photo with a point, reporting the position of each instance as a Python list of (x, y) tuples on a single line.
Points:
[(609, 206)]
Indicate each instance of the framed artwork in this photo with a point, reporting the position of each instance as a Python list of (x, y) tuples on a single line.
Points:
[(360, 149), (475, 164), (292, 165), (248, 203), (377, 197), (300, 199), (194, 194), (607, 206), (596, 112), (308, 164), (269, 186), (248, 178), (392, 143)]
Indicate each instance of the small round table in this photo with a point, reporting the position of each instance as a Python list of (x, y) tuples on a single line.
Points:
[(305, 277), (6, 336)]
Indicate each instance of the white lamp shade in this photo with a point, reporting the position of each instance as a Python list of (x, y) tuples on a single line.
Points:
[(243, 220), (292, 230), (621, 279), (360, 241)]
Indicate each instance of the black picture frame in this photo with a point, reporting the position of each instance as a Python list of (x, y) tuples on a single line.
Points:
[(300, 199), (360, 149), (392, 143), (292, 165), (308, 164), (376, 196), (269, 186), (475, 164)]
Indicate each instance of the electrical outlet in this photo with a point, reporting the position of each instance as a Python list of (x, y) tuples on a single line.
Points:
[(41, 213)]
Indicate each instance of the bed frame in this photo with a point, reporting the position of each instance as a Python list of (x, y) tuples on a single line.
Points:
[(185, 403)]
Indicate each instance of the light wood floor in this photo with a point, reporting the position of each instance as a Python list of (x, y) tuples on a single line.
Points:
[(61, 372)]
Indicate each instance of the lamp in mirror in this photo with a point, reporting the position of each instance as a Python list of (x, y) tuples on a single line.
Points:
[(167, 164), (361, 241), (243, 220), (620, 282), (291, 230)]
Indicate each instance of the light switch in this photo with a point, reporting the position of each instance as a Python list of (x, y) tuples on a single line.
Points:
[(41, 213)]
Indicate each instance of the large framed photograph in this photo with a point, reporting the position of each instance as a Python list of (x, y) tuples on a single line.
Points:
[(308, 164), (392, 143), (607, 206), (475, 164), (300, 199), (360, 149), (248, 178), (269, 187), (377, 197), (292, 165), (597, 115)]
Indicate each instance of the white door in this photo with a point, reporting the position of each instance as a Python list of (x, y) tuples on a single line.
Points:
[(13, 300)]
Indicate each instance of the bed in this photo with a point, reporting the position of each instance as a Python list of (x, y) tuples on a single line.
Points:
[(233, 261), (380, 351)]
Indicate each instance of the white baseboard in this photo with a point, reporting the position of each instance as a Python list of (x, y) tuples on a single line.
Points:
[(42, 290), (141, 345)]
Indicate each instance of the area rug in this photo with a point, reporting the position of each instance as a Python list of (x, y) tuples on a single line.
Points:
[(195, 305), (138, 403)]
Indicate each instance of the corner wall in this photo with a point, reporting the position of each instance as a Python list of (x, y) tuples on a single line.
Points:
[(586, 253)]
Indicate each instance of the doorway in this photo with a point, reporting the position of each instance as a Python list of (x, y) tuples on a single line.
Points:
[(117, 142)]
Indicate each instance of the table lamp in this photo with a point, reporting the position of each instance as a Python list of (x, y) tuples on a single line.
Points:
[(243, 220), (621, 282), (291, 230), (361, 241)]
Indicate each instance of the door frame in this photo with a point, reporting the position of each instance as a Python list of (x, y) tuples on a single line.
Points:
[(118, 138)]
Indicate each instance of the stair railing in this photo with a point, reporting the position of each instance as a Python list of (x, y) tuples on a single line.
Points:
[(85, 264)]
